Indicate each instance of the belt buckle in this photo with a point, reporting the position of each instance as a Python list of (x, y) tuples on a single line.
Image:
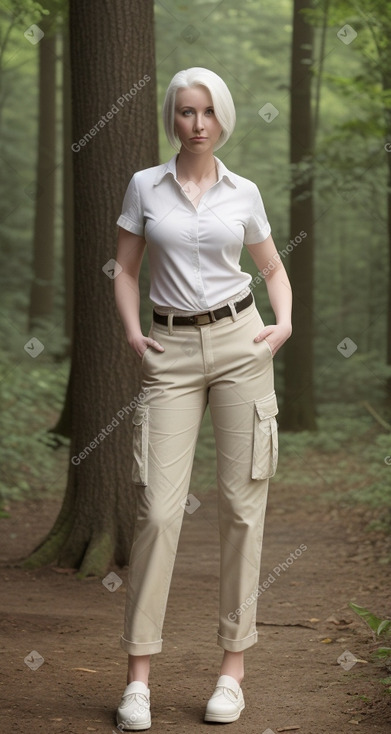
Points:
[(202, 319)]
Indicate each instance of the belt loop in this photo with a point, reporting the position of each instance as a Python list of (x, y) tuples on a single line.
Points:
[(234, 314), (169, 323)]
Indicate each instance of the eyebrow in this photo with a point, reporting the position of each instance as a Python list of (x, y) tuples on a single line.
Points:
[(190, 107)]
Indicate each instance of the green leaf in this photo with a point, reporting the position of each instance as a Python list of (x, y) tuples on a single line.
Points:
[(367, 616), (384, 628)]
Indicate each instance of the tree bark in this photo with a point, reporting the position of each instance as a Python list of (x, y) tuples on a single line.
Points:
[(112, 49), (64, 422), (41, 295), (67, 184), (386, 83), (388, 326), (299, 403)]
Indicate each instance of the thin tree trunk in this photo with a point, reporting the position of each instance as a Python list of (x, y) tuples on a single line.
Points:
[(386, 80), (63, 425), (299, 404), (41, 295), (112, 49), (388, 384), (67, 182)]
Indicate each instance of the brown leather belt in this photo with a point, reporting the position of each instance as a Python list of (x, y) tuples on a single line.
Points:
[(207, 317)]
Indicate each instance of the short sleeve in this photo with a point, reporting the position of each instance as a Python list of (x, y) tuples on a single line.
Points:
[(132, 216), (257, 227)]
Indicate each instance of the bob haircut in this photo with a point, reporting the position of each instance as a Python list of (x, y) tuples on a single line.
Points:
[(223, 104)]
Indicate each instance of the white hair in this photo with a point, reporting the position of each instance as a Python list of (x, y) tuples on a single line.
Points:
[(223, 104)]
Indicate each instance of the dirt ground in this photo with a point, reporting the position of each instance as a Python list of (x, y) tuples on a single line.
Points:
[(293, 681)]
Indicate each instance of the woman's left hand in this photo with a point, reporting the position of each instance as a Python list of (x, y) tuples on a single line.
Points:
[(276, 335)]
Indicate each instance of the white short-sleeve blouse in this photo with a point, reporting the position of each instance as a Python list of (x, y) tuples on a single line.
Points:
[(194, 252)]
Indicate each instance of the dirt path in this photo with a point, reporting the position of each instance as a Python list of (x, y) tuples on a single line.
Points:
[(292, 675)]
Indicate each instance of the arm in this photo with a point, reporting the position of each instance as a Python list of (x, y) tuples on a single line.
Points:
[(279, 292), (126, 289)]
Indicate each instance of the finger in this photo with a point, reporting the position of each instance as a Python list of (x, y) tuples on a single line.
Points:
[(155, 345), (265, 332), (262, 335)]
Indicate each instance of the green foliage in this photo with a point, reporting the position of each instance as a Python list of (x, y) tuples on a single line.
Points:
[(31, 399), (346, 460), (380, 629), (24, 11), (378, 626), (249, 45)]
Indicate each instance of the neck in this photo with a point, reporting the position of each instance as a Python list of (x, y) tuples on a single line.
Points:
[(195, 167)]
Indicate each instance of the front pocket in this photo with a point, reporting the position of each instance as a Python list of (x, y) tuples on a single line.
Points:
[(140, 445), (269, 347), (143, 355), (265, 440)]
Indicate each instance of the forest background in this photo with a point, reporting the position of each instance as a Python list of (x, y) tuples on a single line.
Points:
[(345, 456)]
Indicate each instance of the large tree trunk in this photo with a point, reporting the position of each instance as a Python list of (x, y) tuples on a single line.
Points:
[(299, 405), (41, 295), (112, 48)]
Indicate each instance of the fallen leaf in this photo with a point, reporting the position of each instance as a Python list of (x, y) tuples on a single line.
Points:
[(85, 670), (313, 619), (332, 619), (288, 728), (326, 640), (340, 623)]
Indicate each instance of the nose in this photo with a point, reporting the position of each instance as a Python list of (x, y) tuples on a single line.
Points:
[(199, 123)]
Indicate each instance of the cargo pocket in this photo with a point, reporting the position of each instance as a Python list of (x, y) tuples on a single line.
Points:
[(140, 445), (265, 448)]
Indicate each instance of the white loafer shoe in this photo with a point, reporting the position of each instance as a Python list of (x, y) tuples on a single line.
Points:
[(133, 713), (226, 703)]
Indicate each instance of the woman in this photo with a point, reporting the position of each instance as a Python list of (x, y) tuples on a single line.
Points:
[(207, 345)]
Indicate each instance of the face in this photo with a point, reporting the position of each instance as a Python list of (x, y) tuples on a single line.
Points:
[(195, 121)]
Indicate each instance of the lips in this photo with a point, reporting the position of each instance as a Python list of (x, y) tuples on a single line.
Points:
[(198, 138)]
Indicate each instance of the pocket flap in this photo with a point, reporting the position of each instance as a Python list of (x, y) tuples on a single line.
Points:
[(140, 415), (267, 407)]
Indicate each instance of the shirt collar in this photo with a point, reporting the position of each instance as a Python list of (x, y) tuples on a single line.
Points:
[(170, 169)]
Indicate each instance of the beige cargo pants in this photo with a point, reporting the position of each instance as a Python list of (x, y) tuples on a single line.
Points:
[(217, 364)]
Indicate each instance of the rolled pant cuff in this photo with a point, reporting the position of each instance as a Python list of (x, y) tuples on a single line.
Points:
[(141, 648), (237, 645)]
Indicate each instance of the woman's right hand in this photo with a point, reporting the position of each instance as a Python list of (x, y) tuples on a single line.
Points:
[(141, 343)]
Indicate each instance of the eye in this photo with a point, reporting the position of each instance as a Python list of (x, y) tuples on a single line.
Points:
[(186, 113), (209, 111)]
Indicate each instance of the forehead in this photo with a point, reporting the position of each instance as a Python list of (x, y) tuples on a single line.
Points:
[(197, 96)]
